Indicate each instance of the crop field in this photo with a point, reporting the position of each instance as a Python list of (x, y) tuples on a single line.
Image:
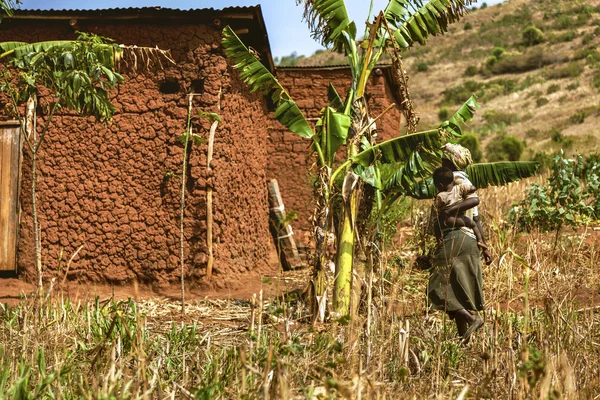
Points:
[(541, 336)]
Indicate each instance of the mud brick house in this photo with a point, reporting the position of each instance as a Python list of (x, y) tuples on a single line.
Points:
[(287, 160), (104, 187)]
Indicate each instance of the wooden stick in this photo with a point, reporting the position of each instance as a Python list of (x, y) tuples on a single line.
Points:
[(209, 195)]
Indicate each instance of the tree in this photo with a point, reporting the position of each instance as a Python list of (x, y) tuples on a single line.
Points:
[(348, 121), (74, 75)]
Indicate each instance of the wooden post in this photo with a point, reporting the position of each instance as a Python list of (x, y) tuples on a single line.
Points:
[(209, 194), (281, 229), (10, 167)]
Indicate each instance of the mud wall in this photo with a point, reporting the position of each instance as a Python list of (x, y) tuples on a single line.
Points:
[(104, 187), (287, 161)]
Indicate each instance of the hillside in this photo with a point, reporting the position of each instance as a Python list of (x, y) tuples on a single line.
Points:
[(541, 86)]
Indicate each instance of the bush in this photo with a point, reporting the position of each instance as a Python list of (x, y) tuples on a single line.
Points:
[(443, 114), (505, 148), (499, 117), (573, 85), (471, 142), (532, 36), (563, 22), (490, 61), (544, 159), (483, 6), (471, 71), (578, 118), (573, 70), (571, 197), (563, 37), (596, 80), (587, 39), (541, 101), (498, 51), (460, 93), (468, 26), (517, 63), (553, 89), (532, 133), (556, 136), (422, 67)]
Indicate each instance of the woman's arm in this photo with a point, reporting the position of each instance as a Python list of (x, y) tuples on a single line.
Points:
[(461, 206)]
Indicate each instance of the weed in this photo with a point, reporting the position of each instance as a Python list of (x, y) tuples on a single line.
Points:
[(422, 67), (572, 70), (532, 133), (468, 26), (556, 135), (587, 39)]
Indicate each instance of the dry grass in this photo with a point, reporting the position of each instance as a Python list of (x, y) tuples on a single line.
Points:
[(541, 338)]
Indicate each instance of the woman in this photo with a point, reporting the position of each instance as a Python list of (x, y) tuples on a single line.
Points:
[(456, 284)]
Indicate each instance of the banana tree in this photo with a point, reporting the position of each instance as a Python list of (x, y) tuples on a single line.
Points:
[(348, 122), (76, 75)]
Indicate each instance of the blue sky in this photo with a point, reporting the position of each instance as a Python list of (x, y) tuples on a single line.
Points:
[(287, 31)]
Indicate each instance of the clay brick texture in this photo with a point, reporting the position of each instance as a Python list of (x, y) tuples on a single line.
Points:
[(287, 161), (103, 187)]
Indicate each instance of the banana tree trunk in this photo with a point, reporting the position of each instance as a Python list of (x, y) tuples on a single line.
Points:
[(345, 254)]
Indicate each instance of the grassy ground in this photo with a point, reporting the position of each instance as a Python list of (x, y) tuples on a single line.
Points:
[(541, 338)]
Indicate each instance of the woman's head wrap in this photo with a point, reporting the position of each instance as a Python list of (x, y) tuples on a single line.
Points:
[(459, 156)]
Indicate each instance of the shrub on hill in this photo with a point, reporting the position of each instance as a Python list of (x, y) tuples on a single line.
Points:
[(572, 70), (532, 36), (471, 142), (504, 148), (517, 62)]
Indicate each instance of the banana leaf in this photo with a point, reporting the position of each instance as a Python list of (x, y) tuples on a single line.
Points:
[(337, 126), (20, 49), (500, 173), (464, 114), (416, 20), (328, 20), (258, 77), (335, 101), (399, 149)]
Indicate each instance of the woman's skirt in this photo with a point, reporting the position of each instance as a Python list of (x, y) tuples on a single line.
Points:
[(456, 282)]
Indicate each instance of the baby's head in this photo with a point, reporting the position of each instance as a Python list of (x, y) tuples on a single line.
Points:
[(442, 178)]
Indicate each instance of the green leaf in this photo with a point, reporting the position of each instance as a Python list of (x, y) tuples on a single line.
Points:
[(212, 117), (399, 149), (336, 131), (335, 101), (328, 20), (415, 20), (258, 77), (500, 173), (464, 114)]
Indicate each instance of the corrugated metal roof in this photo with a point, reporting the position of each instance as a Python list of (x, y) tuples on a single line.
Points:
[(129, 10), (324, 67)]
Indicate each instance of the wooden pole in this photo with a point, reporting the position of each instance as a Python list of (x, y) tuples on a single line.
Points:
[(281, 229), (209, 195)]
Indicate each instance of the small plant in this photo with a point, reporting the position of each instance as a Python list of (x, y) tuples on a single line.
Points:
[(532, 36), (490, 61), (596, 80), (422, 67), (541, 101), (468, 26), (553, 89), (571, 197), (532, 133), (483, 6), (587, 39)]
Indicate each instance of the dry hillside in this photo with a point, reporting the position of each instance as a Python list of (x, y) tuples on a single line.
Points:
[(540, 85)]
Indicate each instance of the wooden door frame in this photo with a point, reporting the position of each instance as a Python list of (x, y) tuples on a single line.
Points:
[(17, 206)]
